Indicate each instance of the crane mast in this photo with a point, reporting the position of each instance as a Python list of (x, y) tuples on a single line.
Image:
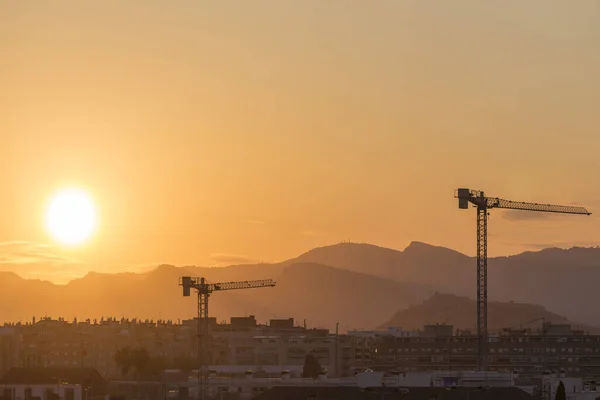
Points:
[(204, 290), (483, 204)]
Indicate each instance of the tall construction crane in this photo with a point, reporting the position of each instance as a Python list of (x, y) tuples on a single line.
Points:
[(483, 204), (204, 290)]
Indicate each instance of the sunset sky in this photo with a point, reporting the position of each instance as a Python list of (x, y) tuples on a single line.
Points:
[(220, 132)]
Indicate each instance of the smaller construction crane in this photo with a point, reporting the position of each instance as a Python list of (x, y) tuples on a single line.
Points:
[(204, 290)]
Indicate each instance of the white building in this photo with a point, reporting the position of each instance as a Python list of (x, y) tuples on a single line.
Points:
[(52, 384), (250, 385), (575, 388)]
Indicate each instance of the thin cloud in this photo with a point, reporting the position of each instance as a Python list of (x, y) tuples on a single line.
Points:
[(20, 252), (590, 203), (38, 261), (225, 259), (134, 268)]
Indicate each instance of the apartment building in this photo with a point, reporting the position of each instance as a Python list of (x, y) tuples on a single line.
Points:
[(528, 352), (57, 343), (282, 343), (9, 348)]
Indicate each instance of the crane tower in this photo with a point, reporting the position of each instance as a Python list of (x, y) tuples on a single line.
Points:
[(483, 205), (204, 290)]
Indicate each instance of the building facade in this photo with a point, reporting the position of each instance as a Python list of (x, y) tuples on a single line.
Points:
[(528, 352), (243, 344), (57, 343), (282, 343)]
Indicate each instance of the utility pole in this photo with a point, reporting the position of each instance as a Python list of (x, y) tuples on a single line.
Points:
[(337, 346)]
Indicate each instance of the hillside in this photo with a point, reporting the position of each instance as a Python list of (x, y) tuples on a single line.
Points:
[(320, 294), (419, 262), (326, 295), (460, 312), (357, 285), (561, 280)]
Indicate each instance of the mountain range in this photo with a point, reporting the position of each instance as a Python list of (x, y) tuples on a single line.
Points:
[(564, 281), (355, 285)]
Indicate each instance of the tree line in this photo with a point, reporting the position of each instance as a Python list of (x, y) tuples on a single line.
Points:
[(138, 361)]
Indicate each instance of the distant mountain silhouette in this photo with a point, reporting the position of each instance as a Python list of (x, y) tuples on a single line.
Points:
[(419, 262), (320, 294), (357, 285), (459, 311), (326, 295), (564, 281)]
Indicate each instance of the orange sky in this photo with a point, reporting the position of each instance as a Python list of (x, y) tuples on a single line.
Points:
[(258, 130)]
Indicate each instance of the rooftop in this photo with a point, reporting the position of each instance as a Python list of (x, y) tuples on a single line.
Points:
[(419, 393)]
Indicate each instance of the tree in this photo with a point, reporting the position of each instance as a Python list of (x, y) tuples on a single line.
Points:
[(137, 359), (561, 393), (123, 360), (140, 360), (185, 363), (312, 368), (156, 367)]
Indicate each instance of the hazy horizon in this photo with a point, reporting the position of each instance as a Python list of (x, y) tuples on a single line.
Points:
[(255, 131), (224, 261)]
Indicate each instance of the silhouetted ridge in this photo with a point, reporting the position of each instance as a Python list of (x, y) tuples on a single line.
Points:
[(166, 272), (460, 312), (11, 277), (357, 285), (429, 249)]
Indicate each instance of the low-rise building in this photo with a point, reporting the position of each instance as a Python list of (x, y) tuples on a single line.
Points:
[(420, 393), (443, 382), (52, 384)]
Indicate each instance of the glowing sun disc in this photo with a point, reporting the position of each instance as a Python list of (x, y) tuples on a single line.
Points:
[(71, 217)]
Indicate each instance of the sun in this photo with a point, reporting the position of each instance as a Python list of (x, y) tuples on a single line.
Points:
[(71, 217)]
